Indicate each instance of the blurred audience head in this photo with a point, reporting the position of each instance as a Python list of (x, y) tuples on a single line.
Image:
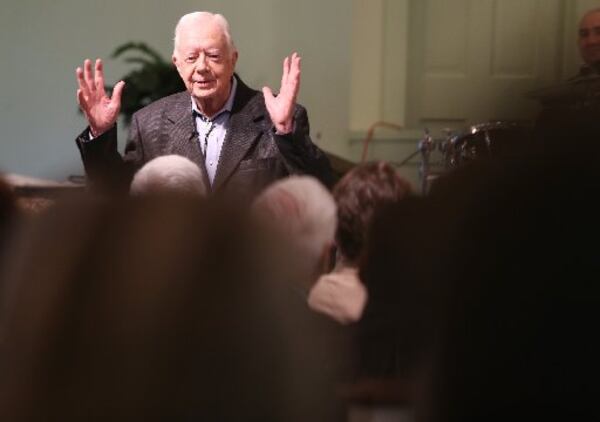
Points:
[(169, 174), (144, 309), (523, 297), (358, 195), (302, 210)]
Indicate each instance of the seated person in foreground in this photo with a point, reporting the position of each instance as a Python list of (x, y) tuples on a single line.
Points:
[(169, 174), (177, 322), (301, 212), (340, 294)]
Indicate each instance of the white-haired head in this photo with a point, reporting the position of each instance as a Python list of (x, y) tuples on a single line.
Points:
[(169, 174), (303, 210), (201, 18)]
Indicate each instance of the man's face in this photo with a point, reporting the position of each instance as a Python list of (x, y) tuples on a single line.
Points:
[(589, 38), (205, 63)]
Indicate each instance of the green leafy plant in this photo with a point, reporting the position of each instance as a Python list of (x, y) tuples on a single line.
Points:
[(153, 79)]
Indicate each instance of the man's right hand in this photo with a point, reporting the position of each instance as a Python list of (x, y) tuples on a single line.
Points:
[(100, 111)]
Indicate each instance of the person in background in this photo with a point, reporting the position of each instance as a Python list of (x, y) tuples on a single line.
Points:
[(567, 125), (588, 41)]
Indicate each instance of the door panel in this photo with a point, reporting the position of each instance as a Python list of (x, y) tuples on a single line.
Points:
[(472, 60)]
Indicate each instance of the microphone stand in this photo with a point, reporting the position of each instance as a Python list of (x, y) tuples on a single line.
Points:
[(425, 146)]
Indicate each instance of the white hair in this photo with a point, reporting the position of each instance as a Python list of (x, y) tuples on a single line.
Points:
[(304, 210), (169, 174), (198, 18)]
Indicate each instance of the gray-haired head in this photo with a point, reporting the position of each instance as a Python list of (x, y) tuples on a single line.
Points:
[(200, 18), (169, 174), (304, 211)]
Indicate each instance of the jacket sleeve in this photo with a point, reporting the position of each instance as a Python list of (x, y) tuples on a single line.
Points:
[(300, 154), (106, 170)]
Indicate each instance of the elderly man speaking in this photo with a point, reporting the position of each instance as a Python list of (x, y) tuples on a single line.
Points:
[(240, 138)]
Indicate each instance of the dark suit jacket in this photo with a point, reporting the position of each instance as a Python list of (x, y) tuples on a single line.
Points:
[(252, 155)]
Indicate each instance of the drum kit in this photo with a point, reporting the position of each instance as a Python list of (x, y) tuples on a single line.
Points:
[(503, 139), (489, 140)]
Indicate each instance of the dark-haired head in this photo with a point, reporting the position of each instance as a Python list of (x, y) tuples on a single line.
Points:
[(358, 195)]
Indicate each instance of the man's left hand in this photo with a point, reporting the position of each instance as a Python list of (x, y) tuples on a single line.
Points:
[(281, 107)]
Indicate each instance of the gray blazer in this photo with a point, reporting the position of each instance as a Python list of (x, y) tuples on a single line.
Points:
[(252, 155)]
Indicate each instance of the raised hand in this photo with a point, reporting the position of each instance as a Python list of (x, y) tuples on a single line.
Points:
[(281, 107), (100, 111)]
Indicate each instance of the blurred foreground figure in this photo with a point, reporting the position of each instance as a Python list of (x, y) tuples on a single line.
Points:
[(297, 215), (7, 200), (169, 174), (152, 310), (492, 290), (522, 293), (359, 194), (302, 212), (8, 209)]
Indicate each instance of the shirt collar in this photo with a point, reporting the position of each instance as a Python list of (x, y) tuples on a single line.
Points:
[(228, 104)]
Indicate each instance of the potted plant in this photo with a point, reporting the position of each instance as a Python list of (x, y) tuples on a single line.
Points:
[(153, 79)]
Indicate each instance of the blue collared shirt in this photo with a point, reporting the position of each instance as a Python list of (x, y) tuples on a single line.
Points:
[(211, 132)]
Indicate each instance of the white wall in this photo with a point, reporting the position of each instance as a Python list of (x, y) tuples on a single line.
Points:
[(42, 43)]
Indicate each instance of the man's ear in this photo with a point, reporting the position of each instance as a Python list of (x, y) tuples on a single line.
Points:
[(234, 58), (176, 64)]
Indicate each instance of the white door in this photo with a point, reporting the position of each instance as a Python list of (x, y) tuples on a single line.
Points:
[(471, 61)]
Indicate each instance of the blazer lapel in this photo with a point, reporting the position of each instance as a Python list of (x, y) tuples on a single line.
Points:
[(243, 132), (180, 133)]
